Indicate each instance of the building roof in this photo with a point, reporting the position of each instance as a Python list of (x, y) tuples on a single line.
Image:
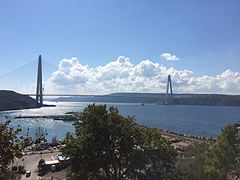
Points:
[(52, 162)]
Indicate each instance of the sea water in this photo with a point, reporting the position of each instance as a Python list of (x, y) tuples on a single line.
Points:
[(196, 120)]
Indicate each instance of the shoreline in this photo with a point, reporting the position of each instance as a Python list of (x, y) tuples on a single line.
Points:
[(72, 117), (171, 134)]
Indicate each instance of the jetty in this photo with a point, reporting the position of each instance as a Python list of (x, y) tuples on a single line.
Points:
[(66, 117)]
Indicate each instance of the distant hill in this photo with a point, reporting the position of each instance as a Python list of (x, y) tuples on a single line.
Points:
[(160, 98), (10, 100)]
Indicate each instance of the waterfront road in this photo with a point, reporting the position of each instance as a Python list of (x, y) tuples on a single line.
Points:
[(31, 163)]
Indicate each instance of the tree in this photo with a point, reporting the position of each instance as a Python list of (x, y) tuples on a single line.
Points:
[(107, 145), (41, 166), (214, 160), (191, 164), (9, 146), (157, 158), (41, 163), (227, 149)]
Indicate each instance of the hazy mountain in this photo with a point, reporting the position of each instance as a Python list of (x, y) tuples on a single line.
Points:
[(160, 98)]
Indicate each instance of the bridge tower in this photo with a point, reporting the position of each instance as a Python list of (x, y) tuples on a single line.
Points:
[(39, 93), (169, 85)]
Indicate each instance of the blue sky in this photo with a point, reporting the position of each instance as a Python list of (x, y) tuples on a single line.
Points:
[(204, 34)]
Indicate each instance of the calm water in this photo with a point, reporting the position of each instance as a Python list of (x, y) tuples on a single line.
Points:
[(196, 120)]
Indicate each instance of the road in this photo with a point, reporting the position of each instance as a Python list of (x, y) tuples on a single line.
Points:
[(31, 163)]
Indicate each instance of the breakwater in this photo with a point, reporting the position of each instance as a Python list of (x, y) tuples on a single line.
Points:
[(66, 117)]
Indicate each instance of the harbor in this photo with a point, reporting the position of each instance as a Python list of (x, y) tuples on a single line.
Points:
[(195, 120)]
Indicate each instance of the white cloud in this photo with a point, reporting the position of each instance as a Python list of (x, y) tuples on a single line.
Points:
[(123, 76), (169, 57)]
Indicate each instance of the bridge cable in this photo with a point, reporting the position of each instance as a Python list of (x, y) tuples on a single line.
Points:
[(13, 71)]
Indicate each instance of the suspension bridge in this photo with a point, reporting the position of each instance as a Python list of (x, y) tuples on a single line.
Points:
[(39, 86)]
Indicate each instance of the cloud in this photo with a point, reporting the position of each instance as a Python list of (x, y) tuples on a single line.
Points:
[(169, 57), (122, 75)]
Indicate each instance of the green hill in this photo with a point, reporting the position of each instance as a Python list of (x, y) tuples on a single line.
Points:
[(10, 100)]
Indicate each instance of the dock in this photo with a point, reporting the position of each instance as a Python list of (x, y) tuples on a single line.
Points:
[(66, 117)]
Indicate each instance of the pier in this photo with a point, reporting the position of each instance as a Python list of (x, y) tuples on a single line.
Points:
[(66, 117)]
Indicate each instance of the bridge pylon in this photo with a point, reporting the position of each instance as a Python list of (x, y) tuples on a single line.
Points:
[(169, 100), (39, 93)]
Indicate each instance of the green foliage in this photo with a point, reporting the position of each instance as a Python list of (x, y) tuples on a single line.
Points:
[(41, 162), (214, 160), (227, 148), (158, 155), (41, 167), (109, 146), (9, 146), (190, 164)]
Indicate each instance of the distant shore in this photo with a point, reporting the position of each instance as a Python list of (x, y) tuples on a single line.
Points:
[(159, 98)]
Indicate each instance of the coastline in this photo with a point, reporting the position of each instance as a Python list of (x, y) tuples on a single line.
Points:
[(187, 137)]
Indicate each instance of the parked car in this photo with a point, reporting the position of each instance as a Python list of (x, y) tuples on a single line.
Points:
[(53, 168), (28, 173)]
